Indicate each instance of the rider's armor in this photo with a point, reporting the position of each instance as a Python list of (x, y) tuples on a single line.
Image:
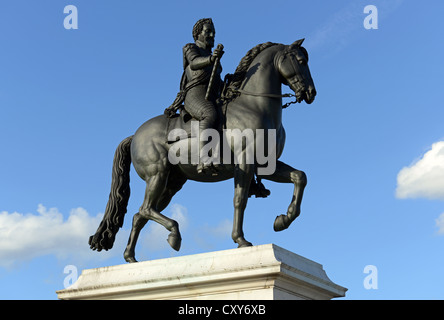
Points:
[(197, 71)]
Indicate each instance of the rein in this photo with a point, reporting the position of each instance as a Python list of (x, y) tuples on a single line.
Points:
[(267, 95)]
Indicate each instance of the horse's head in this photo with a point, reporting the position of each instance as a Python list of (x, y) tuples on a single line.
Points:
[(292, 64)]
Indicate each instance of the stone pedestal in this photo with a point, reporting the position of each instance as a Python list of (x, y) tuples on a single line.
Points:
[(264, 272)]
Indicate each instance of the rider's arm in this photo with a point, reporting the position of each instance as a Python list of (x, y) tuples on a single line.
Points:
[(194, 59)]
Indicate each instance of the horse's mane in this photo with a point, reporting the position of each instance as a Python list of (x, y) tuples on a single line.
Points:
[(244, 64)]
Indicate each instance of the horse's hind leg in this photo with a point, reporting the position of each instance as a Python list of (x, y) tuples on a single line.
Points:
[(157, 197), (138, 223), (149, 209), (286, 174), (175, 182), (173, 185)]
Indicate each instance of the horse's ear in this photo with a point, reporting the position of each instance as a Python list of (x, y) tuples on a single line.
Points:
[(297, 43)]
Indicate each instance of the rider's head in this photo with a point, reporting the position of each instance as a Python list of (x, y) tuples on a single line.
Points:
[(204, 31)]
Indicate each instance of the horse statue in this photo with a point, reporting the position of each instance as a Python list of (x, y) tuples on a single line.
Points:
[(253, 100)]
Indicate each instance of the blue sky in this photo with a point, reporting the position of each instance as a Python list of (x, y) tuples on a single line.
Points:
[(371, 144)]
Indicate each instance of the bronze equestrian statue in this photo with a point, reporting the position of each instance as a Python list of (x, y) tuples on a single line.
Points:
[(251, 99)]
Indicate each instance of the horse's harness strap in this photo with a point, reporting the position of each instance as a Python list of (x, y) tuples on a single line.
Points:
[(268, 95)]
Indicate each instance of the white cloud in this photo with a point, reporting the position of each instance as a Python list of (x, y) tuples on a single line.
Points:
[(27, 236), (24, 237), (425, 177)]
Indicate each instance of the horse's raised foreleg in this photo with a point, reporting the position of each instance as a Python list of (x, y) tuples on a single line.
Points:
[(286, 174), (243, 174)]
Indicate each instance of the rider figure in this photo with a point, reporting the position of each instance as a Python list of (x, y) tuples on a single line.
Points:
[(198, 62)]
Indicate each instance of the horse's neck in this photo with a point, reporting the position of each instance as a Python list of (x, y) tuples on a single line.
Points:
[(263, 78), (262, 75)]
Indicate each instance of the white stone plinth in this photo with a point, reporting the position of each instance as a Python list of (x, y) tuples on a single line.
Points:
[(263, 272)]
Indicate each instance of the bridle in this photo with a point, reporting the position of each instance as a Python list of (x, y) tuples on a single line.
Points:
[(299, 76)]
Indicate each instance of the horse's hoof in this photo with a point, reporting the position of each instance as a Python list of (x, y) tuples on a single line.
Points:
[(243, 243), (130, 259), (175, 240), (281, 223), (246, 244)]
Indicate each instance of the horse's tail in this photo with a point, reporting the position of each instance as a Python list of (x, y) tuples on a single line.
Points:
[(118, 199)]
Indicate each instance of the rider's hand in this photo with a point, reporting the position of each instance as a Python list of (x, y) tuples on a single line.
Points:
[(217, 53)]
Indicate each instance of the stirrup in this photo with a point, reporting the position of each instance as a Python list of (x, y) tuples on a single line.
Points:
[(258, 189)]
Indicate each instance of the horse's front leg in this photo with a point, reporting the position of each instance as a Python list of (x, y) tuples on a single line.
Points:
[(243, 173), (286, 174)]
